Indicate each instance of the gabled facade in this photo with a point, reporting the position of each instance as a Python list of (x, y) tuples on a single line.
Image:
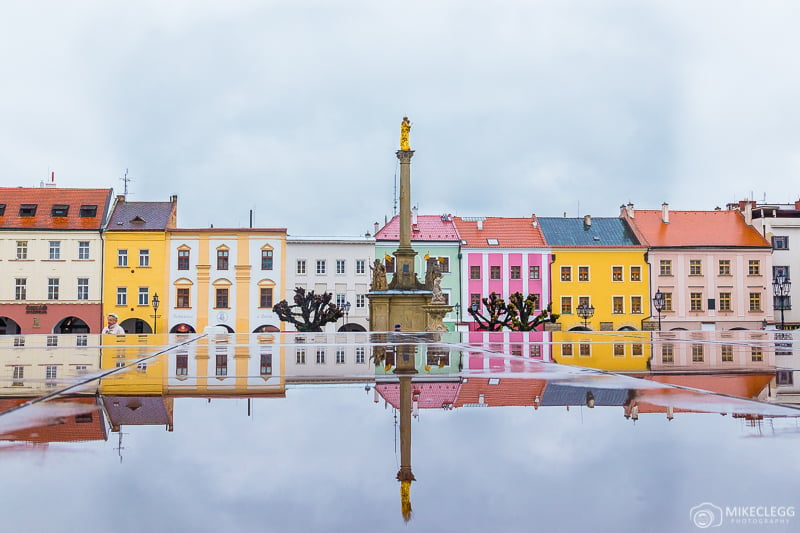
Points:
[(51, 259), (432, 236), (337, 265), (225, 277), (502, 255), (136, 263), (713, 269)]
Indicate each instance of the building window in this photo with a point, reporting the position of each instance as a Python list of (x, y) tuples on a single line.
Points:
[(18, 375), (636, 305), (536, 350), (696, 301), (727, 353), (361, 301), (339, 356), (583, 300), (619, 350), (665, 267), (533, 272), (88, 211), (724, 301), (59, 210), (222, 259), (340, 300), (566, 305), (266, 364), (182, 363), (360, 355), (697, 353), (756, 354), (122, 258), (475, 272), (784, 377), (20, 289), (515, 273), (183, 259), (475, 300), (637, 350), (51, 372), (222, 364), (340, 266), (83, 249), (695, 267), (320, 356), (389, 264), (182, 298), (566, 273), (321, 266), (755, 301), (636, 273), (444, 264), (780, 242), (724, 267), (265, 297), (55, 250), (22, 249), (778, 271), (616, 273), (583, 273), (361, 266), (754, 267), (667, 353), (301, 266), (52, 340), (618, 305), (52, 288), (122, 296), (144, 296), (83, 288), (222, 298), (667, 301), (267, 259), (300, 356), (566, 350), (536, 300), (144, 258), (584, 349), (494, 272), (19, 342)]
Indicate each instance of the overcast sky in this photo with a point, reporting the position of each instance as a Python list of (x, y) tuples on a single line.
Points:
[(292, 109)]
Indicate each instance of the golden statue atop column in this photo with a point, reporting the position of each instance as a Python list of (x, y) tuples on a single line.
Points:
[(405, 128)]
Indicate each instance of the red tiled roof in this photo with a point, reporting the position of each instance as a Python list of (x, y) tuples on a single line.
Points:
[(44, 198), (60, 427), (431, 395), (507, 392), (509, 232), (696, 228), (428, 228)]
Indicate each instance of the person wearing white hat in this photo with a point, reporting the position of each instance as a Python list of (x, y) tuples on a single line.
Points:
[(113, 328)]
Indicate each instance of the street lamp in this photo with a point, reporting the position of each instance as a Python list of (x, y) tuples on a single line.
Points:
[(457, 308), (780, 288), (155, 304), (346, 309), (658, 304), (585, 311)]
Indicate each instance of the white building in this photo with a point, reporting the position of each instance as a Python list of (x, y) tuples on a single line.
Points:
[(338, 265)]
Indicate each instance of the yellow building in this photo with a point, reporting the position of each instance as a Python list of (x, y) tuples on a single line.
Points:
[(135, 266), (624, 351)]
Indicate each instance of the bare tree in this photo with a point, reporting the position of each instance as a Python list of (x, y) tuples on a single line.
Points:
[(309, 312)]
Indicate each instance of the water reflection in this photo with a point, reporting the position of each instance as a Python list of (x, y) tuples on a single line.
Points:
[(68, 395)]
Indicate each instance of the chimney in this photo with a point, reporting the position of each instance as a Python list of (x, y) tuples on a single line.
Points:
[(748, 213), (665, 213), (622, 210), (414, 216), (587, 221), (629, 208), (52, 183), (377, 227), (797, 204), (480, 224), (534, 221), (120, 198)]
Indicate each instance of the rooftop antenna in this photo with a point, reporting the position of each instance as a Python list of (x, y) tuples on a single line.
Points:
[(125, 179), (120, 447)]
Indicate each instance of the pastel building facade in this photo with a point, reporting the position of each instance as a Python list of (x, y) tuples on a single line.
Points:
[(51, 259), (713, 269), (225, 277), (336, 265)]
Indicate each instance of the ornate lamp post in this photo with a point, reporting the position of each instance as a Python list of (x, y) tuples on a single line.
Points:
[(780, 288), (457, 309), (346, 309), (155, 303), (585, 312), (658, 305)]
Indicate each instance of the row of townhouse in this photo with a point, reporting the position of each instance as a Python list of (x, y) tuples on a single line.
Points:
[(713, 270), (70, 256)]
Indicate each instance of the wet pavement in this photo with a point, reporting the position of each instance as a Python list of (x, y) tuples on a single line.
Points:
[(673, 431)]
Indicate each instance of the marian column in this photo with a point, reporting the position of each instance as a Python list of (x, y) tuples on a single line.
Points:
[(404, 277)]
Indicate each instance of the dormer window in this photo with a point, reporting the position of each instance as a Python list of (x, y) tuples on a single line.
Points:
[(59, 210), (88, 211), (27, 210), (492, 242), (2, 209), (137, 220)]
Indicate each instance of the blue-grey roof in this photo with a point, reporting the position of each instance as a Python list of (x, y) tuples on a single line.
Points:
[(575, 232), (142, 216), (556, 394)]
